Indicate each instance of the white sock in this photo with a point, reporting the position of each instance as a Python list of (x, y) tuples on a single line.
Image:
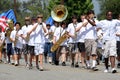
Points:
[(118, 62), (16, 62), (88, 62), (93, 63), (12, 61)]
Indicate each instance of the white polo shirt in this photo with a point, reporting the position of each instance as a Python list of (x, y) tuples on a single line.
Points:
[(47, 37), (24, 30), (19, 41), (2, 36), (32, 36), (58, 33), (39, 34), (90, 31), (109, 28), (81, 33), (71, 30)]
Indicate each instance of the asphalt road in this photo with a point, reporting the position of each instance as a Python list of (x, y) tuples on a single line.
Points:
[(52, 72)]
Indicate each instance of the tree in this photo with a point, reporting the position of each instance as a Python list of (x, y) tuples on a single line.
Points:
[(109, 5), (76, 7), (6, 5), (35, 7)]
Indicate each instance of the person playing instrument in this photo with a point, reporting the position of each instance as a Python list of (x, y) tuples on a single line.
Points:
[(2, 41), (48, 44), (39, 42), (73, 50), (53, 29), (9, 48), (90, 41), (25, 42), (16, 38), (80, 29), (62, 49), (109, 28), (31, 39), (118, 43)]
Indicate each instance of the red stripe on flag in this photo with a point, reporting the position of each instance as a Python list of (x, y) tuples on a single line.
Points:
[(3, 23)]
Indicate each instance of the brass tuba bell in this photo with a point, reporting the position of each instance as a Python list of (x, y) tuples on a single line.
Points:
[(59, 13)]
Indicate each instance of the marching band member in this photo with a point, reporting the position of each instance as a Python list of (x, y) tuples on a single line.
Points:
[(48, 44), (62, 50), (118, 44), (80, 29), (39, 42), (109, 28), (9, 48), (31, 39), (16, 39), (72, 41), (25, 42), (53, 29), (90, 41), (2, 41)]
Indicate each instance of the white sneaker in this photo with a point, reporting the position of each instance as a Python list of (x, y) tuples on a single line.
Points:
[(106, 71), (113, 70), (16, 63), (27, 65)]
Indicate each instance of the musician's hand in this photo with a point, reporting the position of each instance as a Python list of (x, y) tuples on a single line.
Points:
[(87, 17)]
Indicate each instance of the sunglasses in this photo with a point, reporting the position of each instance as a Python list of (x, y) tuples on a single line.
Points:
[(39, 17)]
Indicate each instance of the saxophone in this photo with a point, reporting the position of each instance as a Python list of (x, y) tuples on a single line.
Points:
[(16, 38), (57, 44), (10, 28)]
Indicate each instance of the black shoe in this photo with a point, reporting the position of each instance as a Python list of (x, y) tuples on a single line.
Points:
[(56, 62), (37, 67), (16, 64), (12, 63), (72, 65), (118, 65), (1, 61), (41, 68), (94, 68), (98, 62), (114, 71), (76, 65), (63, 64), (30, 66)]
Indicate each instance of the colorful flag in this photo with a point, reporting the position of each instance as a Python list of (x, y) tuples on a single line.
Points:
[(5, 16), (50, 21)]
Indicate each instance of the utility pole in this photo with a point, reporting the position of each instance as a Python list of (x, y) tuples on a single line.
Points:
[(15, 10), (62, 2)]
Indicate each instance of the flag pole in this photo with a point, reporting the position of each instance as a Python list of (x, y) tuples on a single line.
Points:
[(15, 8)]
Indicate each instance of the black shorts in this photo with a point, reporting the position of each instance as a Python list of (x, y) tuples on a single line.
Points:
[(4, 50), (118, 48), (25, 48), (17, 50), (10, 50), (81, 46), (31, 49)]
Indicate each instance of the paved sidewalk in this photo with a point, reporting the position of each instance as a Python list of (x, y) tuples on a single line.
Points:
[(52, 72)]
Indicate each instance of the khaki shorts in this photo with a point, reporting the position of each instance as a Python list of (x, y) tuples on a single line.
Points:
[(39, 48), (109, 48), (73, 48), (62, 49), (90, 47)]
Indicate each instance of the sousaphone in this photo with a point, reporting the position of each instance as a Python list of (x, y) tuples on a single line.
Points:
[(59, 13)]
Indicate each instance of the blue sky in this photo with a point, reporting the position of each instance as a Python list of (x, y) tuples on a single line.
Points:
[(96, 6)]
